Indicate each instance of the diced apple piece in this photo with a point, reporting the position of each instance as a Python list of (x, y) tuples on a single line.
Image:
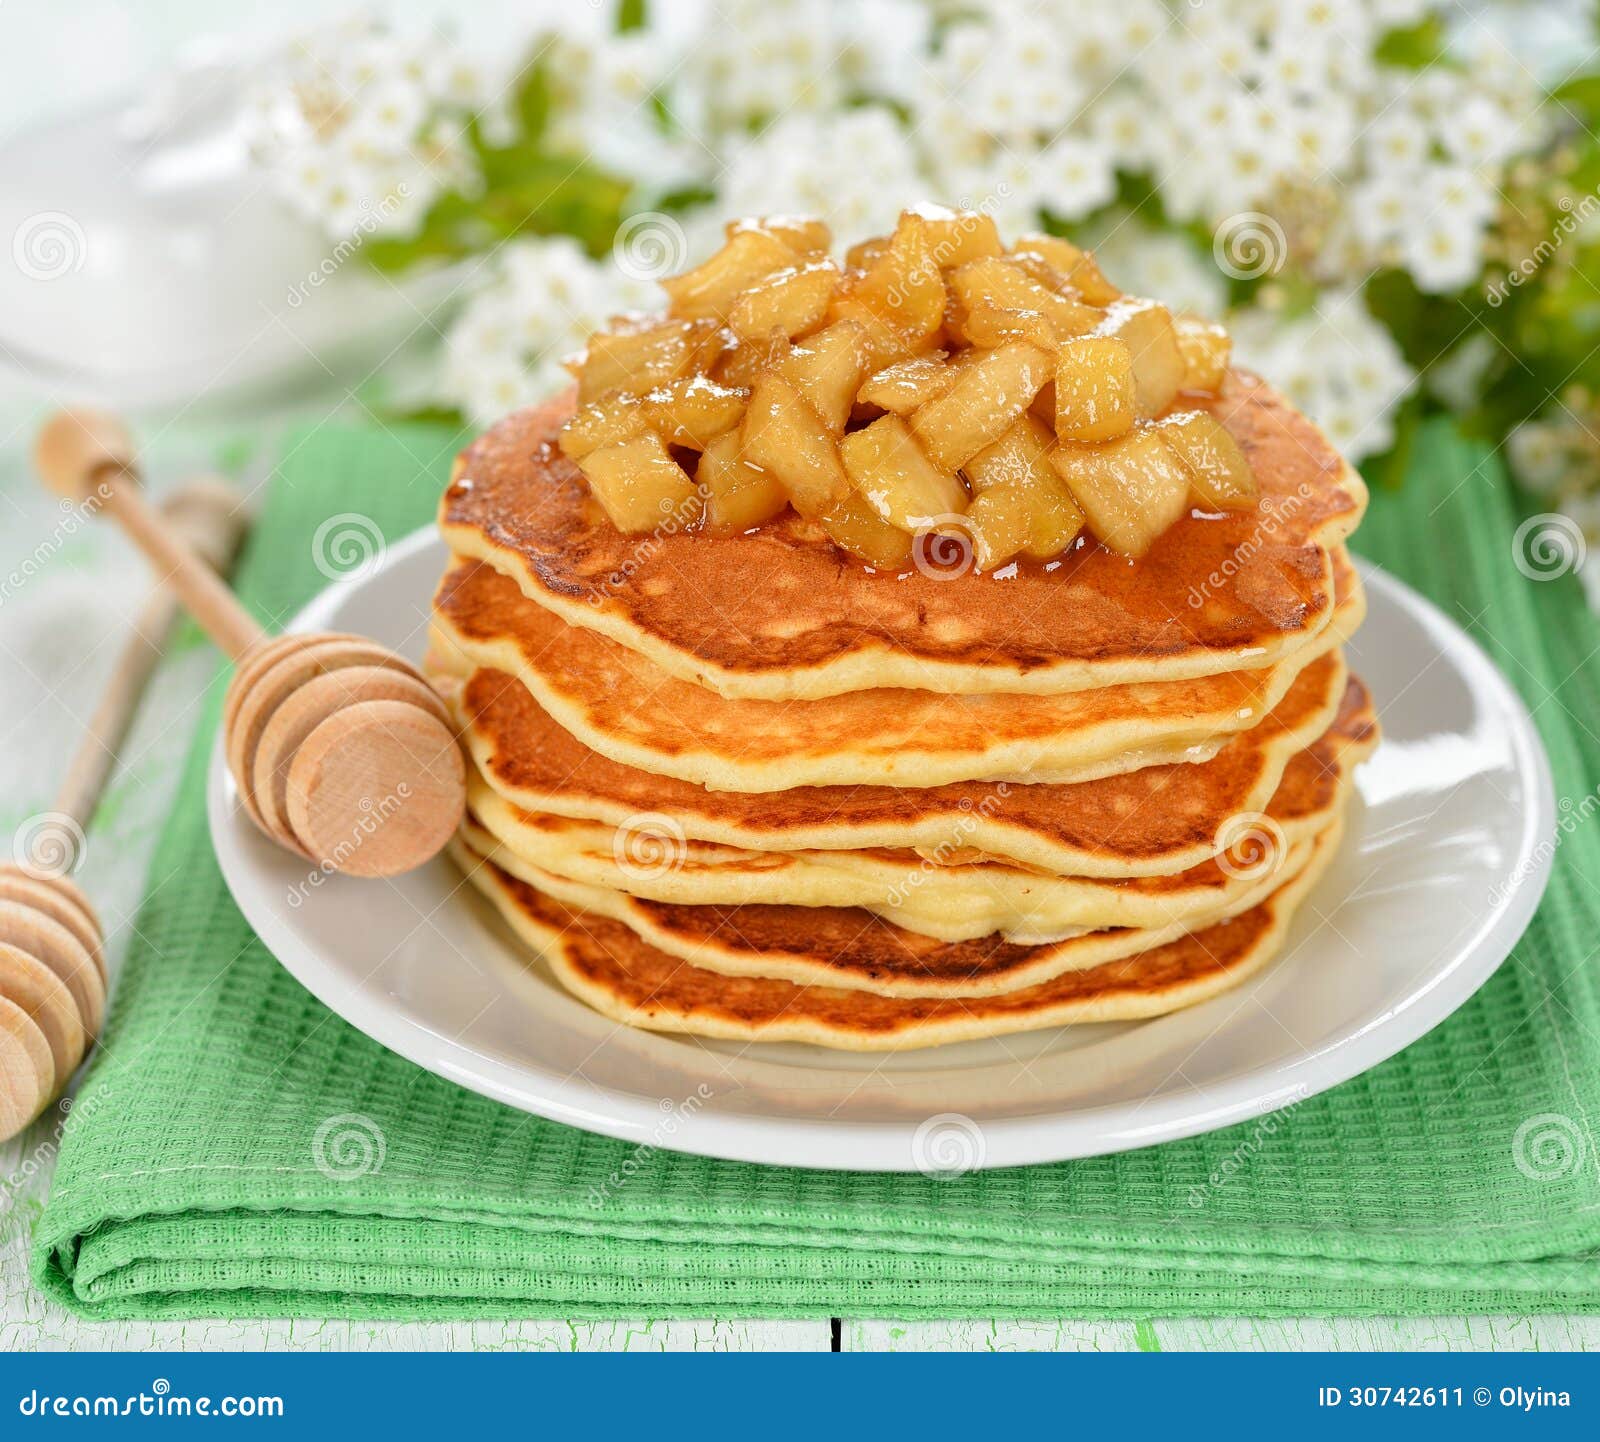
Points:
[(607, 422), (853, 525), (1157, 362), (861, 255), (638, 359), (790, 302), (803, 234), (893, 476), (782, 434), (1129, 490), (693, 412), (991, 393), (987, 326), (1019, 462), (904, 386), (1056, 521), (958, 236), (1075, 266), (827, 371), (737, 494), (712, 289), (1095, 392), (900, 297), (743, 363), (1205, 349), (1000, 522), (1020, 457), (639, 485), (1004, 285), (1220, 474)]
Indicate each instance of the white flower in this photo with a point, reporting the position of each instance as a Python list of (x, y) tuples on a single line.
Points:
[(1159, 263), (1478, 132), (1073, 177), (1539, 456), (1336, 363), (855, 169), (1121, 121), (1396, 142), (540, 300), (1381, 209)]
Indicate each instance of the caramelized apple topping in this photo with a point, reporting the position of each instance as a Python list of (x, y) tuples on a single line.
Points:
[(933, 381)]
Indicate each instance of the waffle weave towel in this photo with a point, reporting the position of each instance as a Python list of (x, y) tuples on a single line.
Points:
[(187, 1184)]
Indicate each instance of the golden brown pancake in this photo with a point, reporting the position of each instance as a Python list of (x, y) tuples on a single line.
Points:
[(893, 948), (621, 705), (1153, 821), (846, 946), (608, 966), (779, 613), (956, 902)]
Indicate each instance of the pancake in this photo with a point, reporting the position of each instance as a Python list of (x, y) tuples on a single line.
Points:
[(608, 966), (1154, 821), (951, 903), (851, 948), (621, 705), (780, 614)]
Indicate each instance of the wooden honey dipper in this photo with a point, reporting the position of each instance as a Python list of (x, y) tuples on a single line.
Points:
[(340, 750), (52, 963)]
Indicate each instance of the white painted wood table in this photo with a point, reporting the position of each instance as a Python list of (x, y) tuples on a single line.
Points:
[(62, 607)]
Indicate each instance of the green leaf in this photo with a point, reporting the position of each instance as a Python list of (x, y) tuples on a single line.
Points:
[(1413, 47), (531, 103), (631, 15)]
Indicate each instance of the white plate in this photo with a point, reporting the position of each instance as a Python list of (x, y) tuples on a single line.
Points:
[(1444, 859)]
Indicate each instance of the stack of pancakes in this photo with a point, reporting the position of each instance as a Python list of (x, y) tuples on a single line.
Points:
[(746, 787)]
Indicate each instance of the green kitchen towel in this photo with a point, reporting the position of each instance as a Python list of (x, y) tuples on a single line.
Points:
[(1461, 1176)]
